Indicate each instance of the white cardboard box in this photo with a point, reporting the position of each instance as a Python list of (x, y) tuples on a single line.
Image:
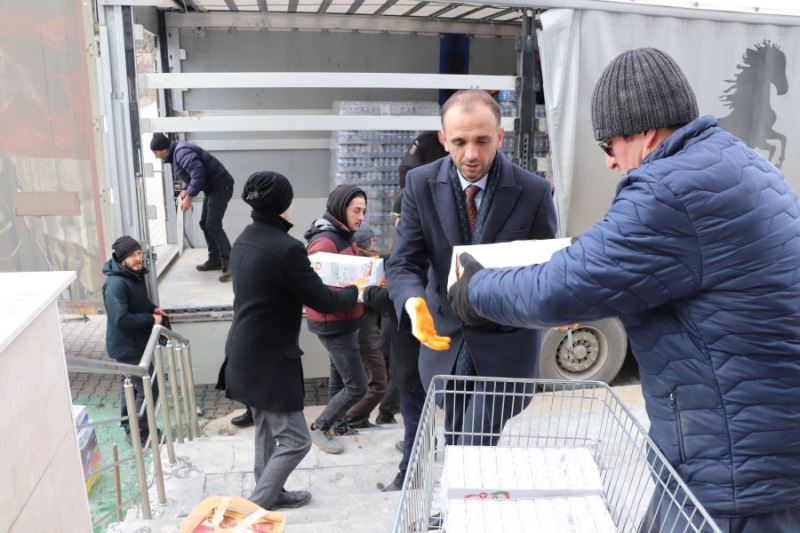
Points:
[(509, 473), (342, 270), (506, 254), (575, 514)]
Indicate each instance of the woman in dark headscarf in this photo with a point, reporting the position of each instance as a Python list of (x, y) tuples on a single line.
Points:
[(272, 280), (338, 332)]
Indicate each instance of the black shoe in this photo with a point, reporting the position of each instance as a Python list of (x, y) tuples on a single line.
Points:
[(400, 446), (292, 499), (244, 420), (385, 418), (395, 485), (344, 430), (226, 274), (211, 264), (366, 424)]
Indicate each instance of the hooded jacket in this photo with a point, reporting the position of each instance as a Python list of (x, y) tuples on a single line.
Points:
[(329, 234), (129, 310), (699, 255)]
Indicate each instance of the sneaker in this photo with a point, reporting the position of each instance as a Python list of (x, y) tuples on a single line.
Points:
[(292, 499), (243, 420), (325, 441), (385, 418), (400, 446), (211, 264), (226, 274), (395, 485)]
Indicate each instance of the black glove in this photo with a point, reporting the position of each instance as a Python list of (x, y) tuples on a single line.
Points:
[(458, 295)]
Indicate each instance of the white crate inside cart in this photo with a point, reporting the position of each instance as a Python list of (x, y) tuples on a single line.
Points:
[(568, 445)]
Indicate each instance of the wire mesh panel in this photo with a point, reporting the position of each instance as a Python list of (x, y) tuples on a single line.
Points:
[(516, 424)]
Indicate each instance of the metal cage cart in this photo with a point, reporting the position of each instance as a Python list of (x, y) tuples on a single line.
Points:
[(638, 488)]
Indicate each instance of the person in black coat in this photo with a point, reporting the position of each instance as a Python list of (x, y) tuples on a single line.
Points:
[(272, 280)]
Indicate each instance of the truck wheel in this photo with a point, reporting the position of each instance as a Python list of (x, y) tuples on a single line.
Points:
[(598, 351)]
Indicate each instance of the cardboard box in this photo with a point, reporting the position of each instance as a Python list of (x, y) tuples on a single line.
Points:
[(506, 254), (510, 473), (223, 513), (577, 514), (342, 270)]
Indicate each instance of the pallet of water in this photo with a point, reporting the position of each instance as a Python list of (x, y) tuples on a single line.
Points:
[(524, 489)]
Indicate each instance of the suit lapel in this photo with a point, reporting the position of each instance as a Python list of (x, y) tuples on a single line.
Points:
[(503, 204), (445, 205)]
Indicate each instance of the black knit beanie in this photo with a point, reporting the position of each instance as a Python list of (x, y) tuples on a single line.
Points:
[(268, 192), (339, 198), (159, 141), (124, 247), (640, 90)]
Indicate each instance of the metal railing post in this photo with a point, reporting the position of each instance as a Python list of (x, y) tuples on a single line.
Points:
[(187, 391), (187, 350), (150, 409), (158, 359), (184, 392), (117, 481), (173, 384), (136, 443)]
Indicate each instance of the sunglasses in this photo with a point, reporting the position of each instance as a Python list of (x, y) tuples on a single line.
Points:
[(605, 145)]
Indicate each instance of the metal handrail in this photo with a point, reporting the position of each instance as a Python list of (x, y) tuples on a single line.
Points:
[(177, 371), (85, 365)]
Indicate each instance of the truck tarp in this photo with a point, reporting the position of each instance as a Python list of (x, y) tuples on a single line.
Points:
[(742, 73)]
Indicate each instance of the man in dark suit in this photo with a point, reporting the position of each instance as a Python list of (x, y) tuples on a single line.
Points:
[(473, 196)]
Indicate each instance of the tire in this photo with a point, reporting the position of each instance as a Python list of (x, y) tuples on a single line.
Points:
[(599, 351)]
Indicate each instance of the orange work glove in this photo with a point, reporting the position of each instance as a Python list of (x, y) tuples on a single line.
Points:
[(422, 326)]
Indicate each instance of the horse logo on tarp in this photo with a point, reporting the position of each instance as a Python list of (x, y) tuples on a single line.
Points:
[(748, 95)]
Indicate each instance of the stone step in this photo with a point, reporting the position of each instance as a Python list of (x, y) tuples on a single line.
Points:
[(377, 509)]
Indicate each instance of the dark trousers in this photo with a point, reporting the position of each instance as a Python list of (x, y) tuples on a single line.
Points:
[(411, 408), (476, 412), (370, 347), (663, 516), (138, 394), (214, 205), (348, 382), (281, 442)]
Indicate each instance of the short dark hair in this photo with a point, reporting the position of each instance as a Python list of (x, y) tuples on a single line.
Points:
[(468, 98)]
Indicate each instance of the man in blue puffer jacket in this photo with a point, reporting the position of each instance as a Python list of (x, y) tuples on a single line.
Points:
[(200, 171), (699, 255)]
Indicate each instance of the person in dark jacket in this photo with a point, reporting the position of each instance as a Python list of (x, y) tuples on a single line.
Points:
[(333, 233), (370, 346), (425, 149), (699, 256), (200, 171), (131, 317), (404, 358), (272, 280)]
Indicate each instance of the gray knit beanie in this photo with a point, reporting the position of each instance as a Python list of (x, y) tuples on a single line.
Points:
[(640, 90)]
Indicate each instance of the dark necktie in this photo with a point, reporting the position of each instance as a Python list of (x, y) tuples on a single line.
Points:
[(472, 208)]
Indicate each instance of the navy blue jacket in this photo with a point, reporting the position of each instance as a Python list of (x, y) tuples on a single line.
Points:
[(196, 168), (129, 310), (420, 261), (699, 255)]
